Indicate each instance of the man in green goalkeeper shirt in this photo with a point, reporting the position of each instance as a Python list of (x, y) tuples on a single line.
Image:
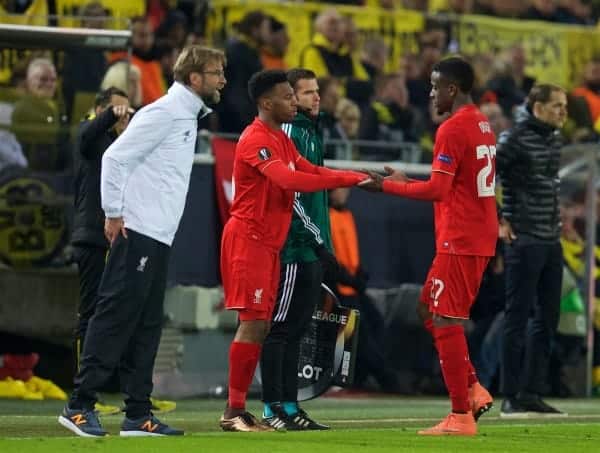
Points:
[(307, 252)]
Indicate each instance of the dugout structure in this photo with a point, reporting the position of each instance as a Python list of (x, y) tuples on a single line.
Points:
[(35, 206)]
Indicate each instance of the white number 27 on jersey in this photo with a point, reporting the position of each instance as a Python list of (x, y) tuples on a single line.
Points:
[(483, 188)]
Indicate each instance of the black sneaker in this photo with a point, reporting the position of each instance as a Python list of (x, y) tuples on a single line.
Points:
[(540, 409), (83, 422), (280, 420), (512, 408), (304, 422), (147, 426)]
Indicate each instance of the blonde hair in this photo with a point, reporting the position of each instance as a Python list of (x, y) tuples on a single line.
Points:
[(193, 59), (322, 20), (117, 76), (345, 106)]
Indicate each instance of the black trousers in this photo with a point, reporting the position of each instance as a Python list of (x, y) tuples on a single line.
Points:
[(299, 292), (126, 324), (533, 289), (90, 262)]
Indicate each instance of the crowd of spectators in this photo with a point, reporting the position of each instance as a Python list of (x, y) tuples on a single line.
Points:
[(582, 12), (363, 97)]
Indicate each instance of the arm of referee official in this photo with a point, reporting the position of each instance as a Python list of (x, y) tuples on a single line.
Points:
[(357, 281)]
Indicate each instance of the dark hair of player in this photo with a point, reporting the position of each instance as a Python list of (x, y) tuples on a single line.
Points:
[(457, 71), (261, 83)]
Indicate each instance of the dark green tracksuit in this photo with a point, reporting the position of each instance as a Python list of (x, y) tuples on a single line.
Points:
[(301, 274)]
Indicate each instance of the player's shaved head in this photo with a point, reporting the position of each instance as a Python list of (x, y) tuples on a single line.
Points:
[(262, 83), (457, 71)]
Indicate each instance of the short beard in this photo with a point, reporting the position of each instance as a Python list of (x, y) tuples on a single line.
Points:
[(212, 98)]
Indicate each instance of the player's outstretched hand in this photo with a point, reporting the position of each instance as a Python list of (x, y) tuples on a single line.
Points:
[(374, 183), (361, 175), (395, 175)]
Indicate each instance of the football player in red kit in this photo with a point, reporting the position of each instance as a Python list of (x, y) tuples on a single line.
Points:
[(267, 171), (462, 187)]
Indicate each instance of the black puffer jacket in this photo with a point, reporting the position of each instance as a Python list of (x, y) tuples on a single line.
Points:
[(94, 136), (527, 161)]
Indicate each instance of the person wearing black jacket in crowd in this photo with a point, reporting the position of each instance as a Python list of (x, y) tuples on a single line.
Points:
[(527, 162), (242, 51), (96, 133)]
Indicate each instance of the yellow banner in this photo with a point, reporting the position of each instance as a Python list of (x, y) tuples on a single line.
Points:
[(398, 29), (119, 11), (583, 45), (555, 53), (36, 14)]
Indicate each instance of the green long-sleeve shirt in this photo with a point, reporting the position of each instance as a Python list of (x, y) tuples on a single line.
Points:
[(310, 221)]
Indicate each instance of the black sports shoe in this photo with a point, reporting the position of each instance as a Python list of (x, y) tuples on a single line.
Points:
[(280, 420), (539, 408), (512, 408), (304, 422), (147, 426), (83, 422)]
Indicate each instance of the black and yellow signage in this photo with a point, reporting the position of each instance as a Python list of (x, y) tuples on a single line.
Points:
[(32, 222)]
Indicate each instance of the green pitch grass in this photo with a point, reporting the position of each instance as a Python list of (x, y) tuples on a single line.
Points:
[(386, 424)]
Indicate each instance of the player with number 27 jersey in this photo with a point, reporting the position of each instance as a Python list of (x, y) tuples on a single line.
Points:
[(466, 222), (461, 187)]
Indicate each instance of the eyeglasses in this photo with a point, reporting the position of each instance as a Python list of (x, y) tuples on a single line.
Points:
[(217, 73)]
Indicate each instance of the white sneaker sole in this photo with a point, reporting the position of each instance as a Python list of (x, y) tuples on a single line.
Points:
[(139, 434), (517, 415), (525, 415), (73, 427)]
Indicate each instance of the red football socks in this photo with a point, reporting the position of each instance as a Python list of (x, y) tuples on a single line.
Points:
[(472, 375), (243, 358), (454, 360)]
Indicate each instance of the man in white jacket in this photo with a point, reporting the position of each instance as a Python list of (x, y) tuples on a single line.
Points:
[(144, 183)]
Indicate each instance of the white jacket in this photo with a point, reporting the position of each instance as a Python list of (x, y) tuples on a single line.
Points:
[(146, 171)]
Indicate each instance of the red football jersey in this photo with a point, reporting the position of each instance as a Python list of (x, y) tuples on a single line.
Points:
[(466, 222), (263, 209)]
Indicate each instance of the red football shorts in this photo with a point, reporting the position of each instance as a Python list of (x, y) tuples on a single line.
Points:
[(453, 283), (250, 273)]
